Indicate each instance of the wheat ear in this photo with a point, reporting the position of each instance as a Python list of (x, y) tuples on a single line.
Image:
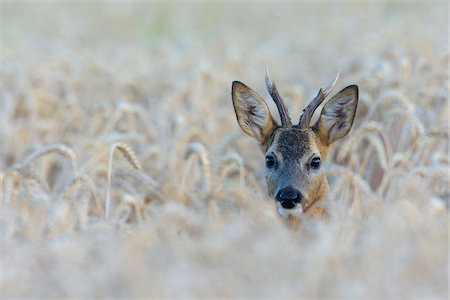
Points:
[(132, 160), (62, 149), (199, 151)]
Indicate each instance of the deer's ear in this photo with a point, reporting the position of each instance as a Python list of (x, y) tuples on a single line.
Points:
[(252, 113), (336, 118)]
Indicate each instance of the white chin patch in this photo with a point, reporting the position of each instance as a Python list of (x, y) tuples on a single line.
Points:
[(285, 212)]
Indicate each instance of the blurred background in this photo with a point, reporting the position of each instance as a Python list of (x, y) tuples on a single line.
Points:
[(80, 78), (305, 38)]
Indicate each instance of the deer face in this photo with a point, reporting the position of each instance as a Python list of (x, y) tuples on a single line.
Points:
[(294, 153)]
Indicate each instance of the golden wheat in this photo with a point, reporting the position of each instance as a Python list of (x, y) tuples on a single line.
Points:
[(129, 155), (186, 213)]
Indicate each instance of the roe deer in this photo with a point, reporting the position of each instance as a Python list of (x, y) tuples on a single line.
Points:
[(294, 153)]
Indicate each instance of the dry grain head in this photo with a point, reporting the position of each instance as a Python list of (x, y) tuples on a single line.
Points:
[(294, 153)]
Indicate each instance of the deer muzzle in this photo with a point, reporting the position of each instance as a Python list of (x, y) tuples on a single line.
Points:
[(289, 197)]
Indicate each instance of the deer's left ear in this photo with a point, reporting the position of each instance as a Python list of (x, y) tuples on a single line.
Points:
[(336, 118)]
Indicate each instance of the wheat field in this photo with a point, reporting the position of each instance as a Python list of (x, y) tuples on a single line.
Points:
[(124, 174)]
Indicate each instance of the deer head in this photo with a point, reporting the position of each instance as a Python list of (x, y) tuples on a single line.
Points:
[(294, 153)]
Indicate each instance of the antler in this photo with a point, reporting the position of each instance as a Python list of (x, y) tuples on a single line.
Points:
[(282, 109), (308, 112)]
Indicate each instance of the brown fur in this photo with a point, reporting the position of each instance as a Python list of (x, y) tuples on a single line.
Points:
[(294, 148)]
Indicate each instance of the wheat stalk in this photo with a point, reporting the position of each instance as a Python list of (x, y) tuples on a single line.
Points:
[(61, 149), (250, 178), (382, 148), (197, 150), (399, 114), (225, 142), (231, 161), (186, 171), (10, 180), (390, 96), (349, 176), (2, 189), (131, 158), (135, 204), (78, 181)]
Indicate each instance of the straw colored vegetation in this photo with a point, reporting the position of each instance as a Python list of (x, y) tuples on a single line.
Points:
[(123, 171)]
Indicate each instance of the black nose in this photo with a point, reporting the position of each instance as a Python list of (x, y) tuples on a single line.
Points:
[(289, 197)]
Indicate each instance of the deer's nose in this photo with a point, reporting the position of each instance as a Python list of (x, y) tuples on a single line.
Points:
[(289, 197)]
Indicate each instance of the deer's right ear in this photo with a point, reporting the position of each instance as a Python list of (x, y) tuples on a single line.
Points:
[(252, 113)]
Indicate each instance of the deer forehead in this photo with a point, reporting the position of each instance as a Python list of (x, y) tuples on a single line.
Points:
[(294, 143)]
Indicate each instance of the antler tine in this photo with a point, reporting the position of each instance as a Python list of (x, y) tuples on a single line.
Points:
[(330, 87), (308, 112), (282, 109)]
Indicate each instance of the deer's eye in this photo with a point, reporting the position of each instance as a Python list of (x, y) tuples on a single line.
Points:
[(315, 163), (270, 161)]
